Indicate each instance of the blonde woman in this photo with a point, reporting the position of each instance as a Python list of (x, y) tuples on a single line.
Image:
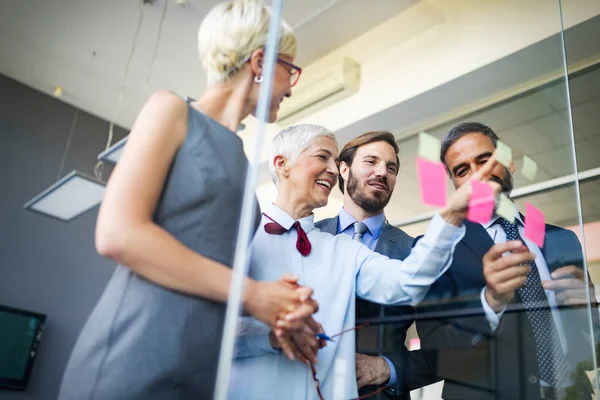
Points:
[(170, 219)]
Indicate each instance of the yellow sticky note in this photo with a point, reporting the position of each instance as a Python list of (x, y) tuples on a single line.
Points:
[(503, 154), (506, 208), (529, 168), (429, 147)]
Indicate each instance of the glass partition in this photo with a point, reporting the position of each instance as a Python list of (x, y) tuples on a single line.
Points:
[(428, 66)]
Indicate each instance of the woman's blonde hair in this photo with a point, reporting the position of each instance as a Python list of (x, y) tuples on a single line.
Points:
[(232, 31)]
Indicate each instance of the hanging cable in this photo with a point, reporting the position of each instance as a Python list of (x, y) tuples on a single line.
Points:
[(158, 36), (99, 165), (71, 131)]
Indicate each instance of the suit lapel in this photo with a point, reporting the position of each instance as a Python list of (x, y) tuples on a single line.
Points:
[(477, 239), (392, 244)]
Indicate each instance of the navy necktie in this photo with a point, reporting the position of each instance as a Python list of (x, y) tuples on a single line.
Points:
[(552, 362)]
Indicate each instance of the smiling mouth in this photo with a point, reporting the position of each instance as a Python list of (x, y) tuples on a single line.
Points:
[(324, 184), (379, 186)]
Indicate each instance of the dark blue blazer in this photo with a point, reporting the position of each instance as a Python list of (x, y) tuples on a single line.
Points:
[(477, 363)]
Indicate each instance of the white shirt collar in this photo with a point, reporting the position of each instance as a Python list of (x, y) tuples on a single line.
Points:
[(285, 220)]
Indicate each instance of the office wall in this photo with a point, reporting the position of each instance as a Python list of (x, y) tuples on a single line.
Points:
[(46, 265)]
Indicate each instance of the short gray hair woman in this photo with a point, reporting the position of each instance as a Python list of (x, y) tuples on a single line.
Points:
[(170, 218)]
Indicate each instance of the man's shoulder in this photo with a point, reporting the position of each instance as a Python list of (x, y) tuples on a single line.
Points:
[(394, 230), (328, 225)]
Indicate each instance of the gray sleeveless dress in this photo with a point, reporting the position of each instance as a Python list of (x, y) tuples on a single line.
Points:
[(143, 341)]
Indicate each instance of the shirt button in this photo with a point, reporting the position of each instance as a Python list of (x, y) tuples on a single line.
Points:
[(532, 379)]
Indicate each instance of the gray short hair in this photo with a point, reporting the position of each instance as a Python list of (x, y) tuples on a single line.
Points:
[(292, 141)]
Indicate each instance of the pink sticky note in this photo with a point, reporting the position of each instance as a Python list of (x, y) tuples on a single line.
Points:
[(433, 181), (535, 225), (481, 203)]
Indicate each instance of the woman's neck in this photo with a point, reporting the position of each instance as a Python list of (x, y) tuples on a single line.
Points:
[(227, 103), (292, 207)]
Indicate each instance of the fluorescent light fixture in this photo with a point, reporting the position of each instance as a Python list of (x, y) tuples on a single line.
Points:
[(72, 195), (113, 153)]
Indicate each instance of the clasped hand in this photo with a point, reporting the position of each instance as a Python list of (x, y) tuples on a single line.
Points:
[(295, 330)]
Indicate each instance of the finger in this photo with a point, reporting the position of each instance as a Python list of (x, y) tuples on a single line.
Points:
[(485, 171), (286, 348), (511, 285), (290, 326), (574, 302), (513, 260), (362, 382), (568, 272), (290, 278), (497, 250), (304, 350), (563, 284), (313, 303), (303, 311), (304, 293), (505, 275), (496, 187), (314, 326)]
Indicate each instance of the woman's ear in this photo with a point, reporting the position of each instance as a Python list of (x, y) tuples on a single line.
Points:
[(281, 166), (256, 62), (512, 167)]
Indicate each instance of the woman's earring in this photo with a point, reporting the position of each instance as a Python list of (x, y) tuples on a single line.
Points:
[(258, 79)]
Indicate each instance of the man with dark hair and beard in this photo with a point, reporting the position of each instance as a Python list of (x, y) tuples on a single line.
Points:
[(508, 319), (368, 168)]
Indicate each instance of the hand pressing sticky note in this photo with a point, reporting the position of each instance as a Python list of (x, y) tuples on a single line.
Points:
[(529, 168), (503, 154), (429, 147), (481, 203), (432, 179), (535, 225), (506, 208)]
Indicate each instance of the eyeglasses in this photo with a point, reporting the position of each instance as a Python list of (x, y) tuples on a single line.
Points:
[(295, 71)]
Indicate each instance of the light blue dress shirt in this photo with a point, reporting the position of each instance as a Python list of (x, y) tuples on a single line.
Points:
[(338, 269), (370, 238), (499, 236)]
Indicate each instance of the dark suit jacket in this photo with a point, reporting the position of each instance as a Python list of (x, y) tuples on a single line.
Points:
[(477, 363), (395, 244)]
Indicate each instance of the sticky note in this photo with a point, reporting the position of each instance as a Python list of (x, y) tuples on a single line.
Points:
[(506, 208), (429, 147), (503, 154), (481, 203), (535, 225), (529, 168), (433, 181), (414, 344)]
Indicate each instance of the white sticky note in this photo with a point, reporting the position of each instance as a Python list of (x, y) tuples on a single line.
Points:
[(429, 147), (506, 208), (529, 168), (503, 154)]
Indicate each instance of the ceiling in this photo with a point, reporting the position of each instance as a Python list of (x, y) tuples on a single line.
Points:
[(84, 45)]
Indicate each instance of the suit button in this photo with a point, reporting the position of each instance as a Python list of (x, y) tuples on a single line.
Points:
[(476, 339), (532, 379)]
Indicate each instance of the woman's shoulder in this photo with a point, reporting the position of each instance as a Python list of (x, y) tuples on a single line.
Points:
[(165, 100)]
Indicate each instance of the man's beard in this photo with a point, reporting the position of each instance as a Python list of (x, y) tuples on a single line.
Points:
[(372, 203), (505, 183)]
